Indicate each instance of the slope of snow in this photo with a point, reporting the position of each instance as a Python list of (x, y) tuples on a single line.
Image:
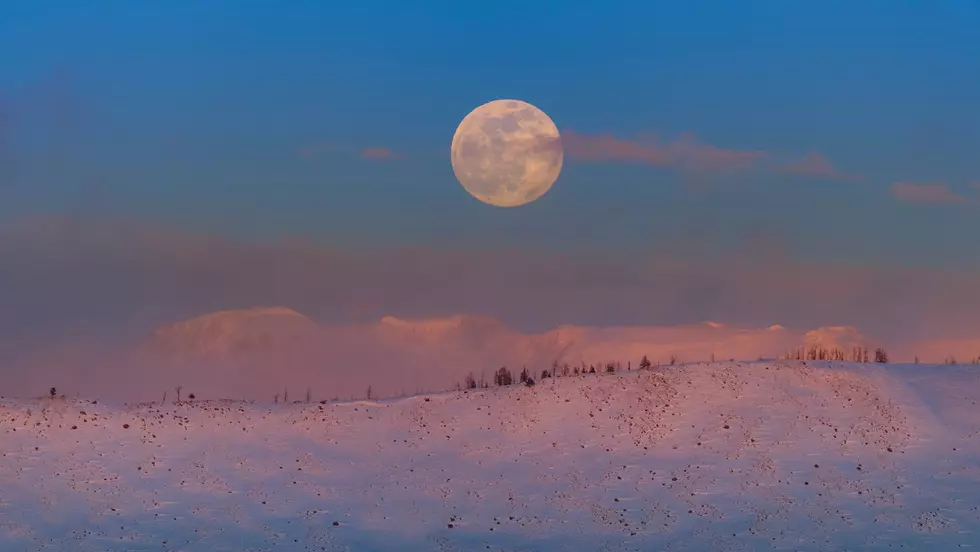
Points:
[(726, 456)]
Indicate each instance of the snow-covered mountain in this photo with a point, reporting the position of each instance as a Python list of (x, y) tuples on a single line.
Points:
[(236, 333), (257, 353), (726, 456)]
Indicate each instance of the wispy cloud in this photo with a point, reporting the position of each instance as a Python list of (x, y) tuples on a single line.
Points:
[(311, 151), (816, 165), (687, 154), (684, 153), (380, 154), (319, 149), (931, 192)]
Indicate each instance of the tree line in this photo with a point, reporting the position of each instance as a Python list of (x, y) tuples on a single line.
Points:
[(503, 376), (856, 354)]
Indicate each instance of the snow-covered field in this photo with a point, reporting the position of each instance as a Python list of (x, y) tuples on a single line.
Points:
[(719, 457)]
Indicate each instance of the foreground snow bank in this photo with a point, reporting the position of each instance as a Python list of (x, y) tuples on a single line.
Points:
[(728, 456)]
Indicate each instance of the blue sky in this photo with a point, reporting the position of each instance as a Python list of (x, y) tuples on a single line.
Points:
[(194, 114)]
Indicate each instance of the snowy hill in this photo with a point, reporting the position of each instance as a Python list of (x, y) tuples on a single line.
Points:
[(727, 456)]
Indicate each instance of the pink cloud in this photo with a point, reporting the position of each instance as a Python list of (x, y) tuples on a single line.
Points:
[(380, 154), (925, 193), (684, 153), (815, 164)]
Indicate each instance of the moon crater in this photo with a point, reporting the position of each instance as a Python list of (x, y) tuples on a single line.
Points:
[(507, 153)]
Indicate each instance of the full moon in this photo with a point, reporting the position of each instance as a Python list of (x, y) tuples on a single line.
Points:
[(507, 153)]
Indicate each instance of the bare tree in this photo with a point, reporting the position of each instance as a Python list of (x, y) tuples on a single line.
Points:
[(469, 381), (277, 398), (916, 359), (285, 395), (370, 395), (673, 360), (309, 395), (816, 352), (164, 396), (178, 389), (645, 363)]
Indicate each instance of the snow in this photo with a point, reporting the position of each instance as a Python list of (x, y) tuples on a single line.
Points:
[(723, 456)]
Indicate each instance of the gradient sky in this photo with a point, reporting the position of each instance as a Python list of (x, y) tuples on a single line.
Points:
[(836, 132), (200, 113)]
